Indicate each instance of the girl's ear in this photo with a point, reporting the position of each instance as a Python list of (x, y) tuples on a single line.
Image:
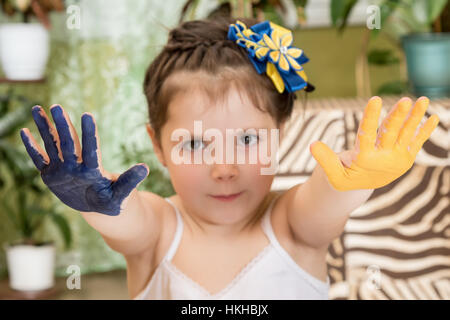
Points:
[(156, 146)]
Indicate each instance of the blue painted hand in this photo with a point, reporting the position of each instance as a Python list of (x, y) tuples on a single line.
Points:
[(76, 175)]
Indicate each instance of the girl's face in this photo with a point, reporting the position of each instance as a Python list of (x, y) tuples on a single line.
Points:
[(197, 183)]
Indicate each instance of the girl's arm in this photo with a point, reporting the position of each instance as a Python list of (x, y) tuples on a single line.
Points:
[(318, 210), (317, 213), (136, 228), (109, 202)]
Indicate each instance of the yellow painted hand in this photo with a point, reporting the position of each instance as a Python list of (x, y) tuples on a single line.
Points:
[(378, 158)]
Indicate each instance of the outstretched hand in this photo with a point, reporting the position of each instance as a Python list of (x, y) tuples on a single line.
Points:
[(76, 175), (378, 157)]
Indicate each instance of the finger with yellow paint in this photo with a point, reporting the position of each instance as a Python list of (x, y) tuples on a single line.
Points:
[(367, 131), (392, 124), (379, 156), (425, 132)]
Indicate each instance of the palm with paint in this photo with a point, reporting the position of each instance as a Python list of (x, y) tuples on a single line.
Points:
[(379, 156), (74, 174)]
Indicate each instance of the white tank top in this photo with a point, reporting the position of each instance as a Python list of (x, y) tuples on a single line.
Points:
[(271, 275)]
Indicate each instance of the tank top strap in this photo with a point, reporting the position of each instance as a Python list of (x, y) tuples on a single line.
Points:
[(178, 233), (267, 225)]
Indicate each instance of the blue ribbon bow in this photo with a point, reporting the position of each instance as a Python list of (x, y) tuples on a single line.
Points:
[(269, 48)]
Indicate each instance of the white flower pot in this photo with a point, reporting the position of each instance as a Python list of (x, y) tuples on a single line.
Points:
[(31, 267), (24, 50)]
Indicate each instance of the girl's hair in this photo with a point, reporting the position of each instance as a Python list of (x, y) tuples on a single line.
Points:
[(201, 55)]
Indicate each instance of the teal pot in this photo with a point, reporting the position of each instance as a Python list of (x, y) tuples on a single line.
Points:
[(428, 60)]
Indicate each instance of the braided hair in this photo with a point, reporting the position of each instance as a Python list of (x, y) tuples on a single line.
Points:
[(201, 47)]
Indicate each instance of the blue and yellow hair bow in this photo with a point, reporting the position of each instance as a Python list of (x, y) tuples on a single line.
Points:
[(269, 49)]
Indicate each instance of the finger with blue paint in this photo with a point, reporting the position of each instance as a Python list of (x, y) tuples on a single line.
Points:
[(74, 173)]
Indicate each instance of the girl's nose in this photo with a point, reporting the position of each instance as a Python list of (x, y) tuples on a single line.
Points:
[(224, 172)]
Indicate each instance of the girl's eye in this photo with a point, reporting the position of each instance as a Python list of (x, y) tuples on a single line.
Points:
[(249, 139), (192, 145)]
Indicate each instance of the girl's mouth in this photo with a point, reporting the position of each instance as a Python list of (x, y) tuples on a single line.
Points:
[(227, 198)]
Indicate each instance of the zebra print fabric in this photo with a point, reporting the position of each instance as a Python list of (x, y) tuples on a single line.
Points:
[(397, 244)]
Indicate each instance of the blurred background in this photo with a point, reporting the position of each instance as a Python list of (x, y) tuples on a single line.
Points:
[(91, 56)]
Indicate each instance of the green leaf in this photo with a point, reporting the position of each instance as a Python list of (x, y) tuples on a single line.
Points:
[(336, 9), (420, 14), (396, 87), (340, 11), (271, 14), (36, 216), (4, 102), (435, 8), (11, 214), (13, 120), (382, 57), (387, 8), (300, 3), (63, 226)]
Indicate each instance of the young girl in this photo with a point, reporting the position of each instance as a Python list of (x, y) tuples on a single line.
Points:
[(224, 234)]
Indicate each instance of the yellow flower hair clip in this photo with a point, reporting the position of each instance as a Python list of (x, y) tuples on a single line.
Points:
[(269, 48)]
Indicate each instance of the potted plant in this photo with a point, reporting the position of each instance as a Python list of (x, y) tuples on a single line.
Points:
[(289, 13), (30, 258), (24, 46), (421, 28), (428, 51)]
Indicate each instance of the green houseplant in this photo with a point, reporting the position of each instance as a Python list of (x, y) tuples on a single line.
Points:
[(421, 29), (289, 13), (25, 201)]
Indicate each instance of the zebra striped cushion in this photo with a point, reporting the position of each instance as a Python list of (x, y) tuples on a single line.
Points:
[(397, 244)]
